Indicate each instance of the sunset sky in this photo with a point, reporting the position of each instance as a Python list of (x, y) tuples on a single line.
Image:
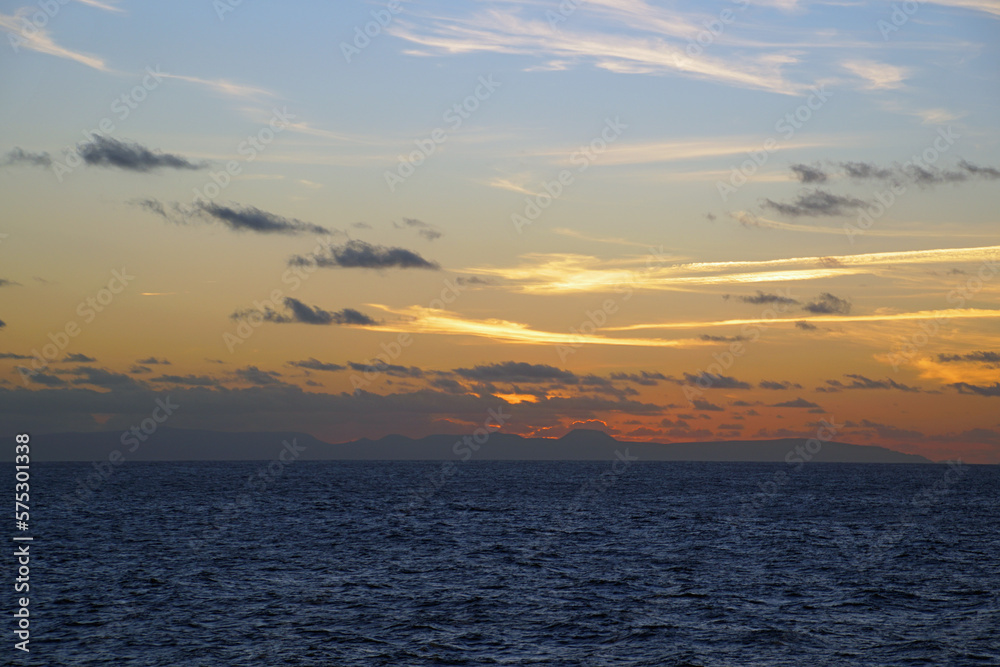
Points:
[(671, 221)]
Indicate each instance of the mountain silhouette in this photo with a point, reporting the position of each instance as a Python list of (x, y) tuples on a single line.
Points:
[(169, 444)]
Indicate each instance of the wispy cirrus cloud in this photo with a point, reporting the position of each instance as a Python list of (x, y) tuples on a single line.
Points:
[(567, 273), (39, 38), (416, 319), (876, 75), (625, 37)]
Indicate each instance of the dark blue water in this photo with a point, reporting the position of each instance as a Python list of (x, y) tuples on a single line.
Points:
[(517, 563)]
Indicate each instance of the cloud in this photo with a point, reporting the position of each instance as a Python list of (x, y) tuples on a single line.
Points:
[(517, 371), (987, 390), (797, 403), (389, 369), (862, 382), (154, 361), (258, 377), (361, 255), (100, 377), (17, 156), (816, 203), (762, 298), (12, 355), (805, 326), (473, 280), (711, 381), (828, 304), (250, 218), (808, 174), (644, 378), (305, 314), (923, 176), (39, 39), (721, 339), (9, 283), (46, 380), (78, 358), (104, 151), (778, 385), (236, 217), (316, 365), (878, 76), (705, 406), (977, 357), (624, 37), (188, 380), (429, 232)]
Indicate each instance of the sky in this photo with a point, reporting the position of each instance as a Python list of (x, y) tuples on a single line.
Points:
[(669, 221)]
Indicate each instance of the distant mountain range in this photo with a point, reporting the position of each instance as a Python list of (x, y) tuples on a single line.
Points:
[(169, 444)]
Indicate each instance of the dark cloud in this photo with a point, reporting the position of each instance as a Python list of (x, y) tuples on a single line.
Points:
[(711, 381), (645, 378), (8, 283), (806, 326), (18, 156), (12, 355), (251, 218), (976, 357), (256, 376), (361, 225), (103, 151), (776, 385), (153, 361), (316, 365), (987, 390), (761, 298), (234, 216), (721, 339), (337, 416), (389, 369), (891, 432), (808, 174), (705, 406), (448, 385), (188, 380), (797, 403), (300, 312), (316, 315), (518, 371), (361, 255), (136, 369), (46, 379), (919, 175), (816, 203), (865, 170), (100, 377), (862, 382), (828, 304), (2, 324), (473, 280), (78, 358), (429, 232)]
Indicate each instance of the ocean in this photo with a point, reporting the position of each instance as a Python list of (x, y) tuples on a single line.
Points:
[(514, 563)]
